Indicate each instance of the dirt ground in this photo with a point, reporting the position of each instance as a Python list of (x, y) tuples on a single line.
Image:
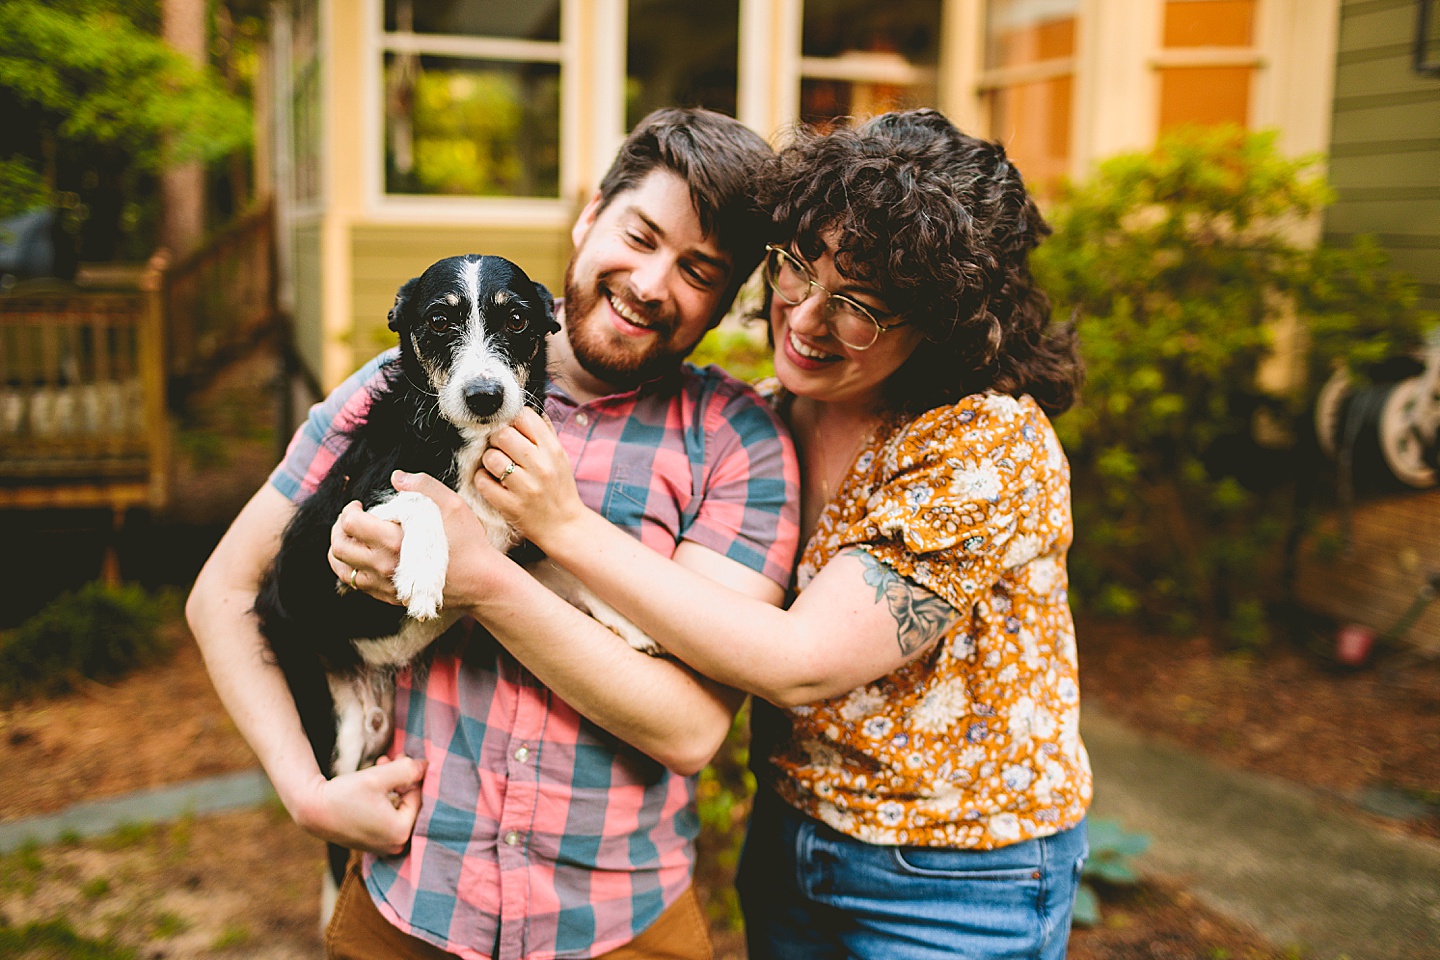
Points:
[(246, 884)]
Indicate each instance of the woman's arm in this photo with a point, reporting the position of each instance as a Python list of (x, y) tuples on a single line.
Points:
[(660, 707), (856, 621)]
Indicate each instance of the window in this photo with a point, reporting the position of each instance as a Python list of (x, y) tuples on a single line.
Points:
[(681, 53), (1028, 83), (1207, 63), (859, 58), (1427, 38), (305, 106), (472, 97)]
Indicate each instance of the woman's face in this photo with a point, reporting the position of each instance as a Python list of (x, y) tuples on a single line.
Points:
[(811, 362)]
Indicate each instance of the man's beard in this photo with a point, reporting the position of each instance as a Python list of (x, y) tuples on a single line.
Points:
[(593, 347)]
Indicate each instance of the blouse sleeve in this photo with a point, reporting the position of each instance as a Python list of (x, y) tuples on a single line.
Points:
[(960, 495)]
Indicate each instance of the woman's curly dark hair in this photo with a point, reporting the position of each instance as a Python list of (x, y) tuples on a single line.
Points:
[(940, 224)]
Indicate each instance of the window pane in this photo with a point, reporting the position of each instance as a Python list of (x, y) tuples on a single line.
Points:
[(1210, 23), (1032, 120), (471, 127), (531, 20), (681, 53), (305, 101), (1204, 95), (881, 56), (821, 101), (910, 28), (1027, 31)]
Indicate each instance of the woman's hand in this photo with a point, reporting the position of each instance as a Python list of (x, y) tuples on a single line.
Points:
[(538, 495), (364, 549)]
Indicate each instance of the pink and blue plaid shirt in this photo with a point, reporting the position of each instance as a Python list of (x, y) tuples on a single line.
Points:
[(540, 834)]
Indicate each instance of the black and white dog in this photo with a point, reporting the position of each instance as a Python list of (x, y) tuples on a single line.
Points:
[(472, 355)]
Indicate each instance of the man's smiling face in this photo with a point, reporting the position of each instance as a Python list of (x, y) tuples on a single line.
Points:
[(644, 283)]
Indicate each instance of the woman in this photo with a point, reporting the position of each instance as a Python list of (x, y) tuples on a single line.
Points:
[(922, 781)]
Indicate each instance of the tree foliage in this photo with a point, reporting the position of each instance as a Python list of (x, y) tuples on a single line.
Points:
[(1181, 264), (79, 77)]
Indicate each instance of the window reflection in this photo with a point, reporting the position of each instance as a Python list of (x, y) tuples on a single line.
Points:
[(1207, 94), (861, 58), (531, 20), (1030, 70), (681, 53), (471, 127)]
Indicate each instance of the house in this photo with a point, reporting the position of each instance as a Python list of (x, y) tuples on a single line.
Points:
[(405, 130)]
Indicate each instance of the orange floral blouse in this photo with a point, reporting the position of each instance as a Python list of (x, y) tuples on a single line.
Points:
[(976, 742)]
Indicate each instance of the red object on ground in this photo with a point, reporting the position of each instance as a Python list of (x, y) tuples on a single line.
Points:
[(1353, 643)]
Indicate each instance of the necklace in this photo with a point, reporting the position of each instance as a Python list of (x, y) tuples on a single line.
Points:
[(822, 465)]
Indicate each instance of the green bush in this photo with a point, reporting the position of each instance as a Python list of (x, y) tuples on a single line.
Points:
[(742, 353), (98, 631), (1180, 265)]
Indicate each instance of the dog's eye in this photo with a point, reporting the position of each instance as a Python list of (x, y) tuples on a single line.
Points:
[(517, 322), (438, 322)]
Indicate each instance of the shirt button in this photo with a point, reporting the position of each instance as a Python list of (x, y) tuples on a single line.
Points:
[(512, 838), (582, 418), (522, 753)]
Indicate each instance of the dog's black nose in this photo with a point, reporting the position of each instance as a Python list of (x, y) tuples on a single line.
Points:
[(484, 397)]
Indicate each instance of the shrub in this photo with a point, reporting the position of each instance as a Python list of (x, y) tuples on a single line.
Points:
[(98, 631), (1181, 264)]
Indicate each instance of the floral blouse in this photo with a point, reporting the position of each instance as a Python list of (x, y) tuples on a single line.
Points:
[(974, 743)]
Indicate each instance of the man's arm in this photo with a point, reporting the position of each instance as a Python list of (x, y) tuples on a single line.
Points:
[(354, 810), (660, 707)]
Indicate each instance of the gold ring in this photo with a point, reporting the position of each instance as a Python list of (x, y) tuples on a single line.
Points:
[(505, 474), (354, 572)]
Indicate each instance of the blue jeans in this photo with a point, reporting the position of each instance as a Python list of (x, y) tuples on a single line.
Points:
[(811, 893)]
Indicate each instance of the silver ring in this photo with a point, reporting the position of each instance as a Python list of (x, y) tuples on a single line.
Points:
[(354, 572), (505, 474)]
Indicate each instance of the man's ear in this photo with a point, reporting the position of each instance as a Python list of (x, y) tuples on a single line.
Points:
[(550, 326), (402, 296), (585, 221)]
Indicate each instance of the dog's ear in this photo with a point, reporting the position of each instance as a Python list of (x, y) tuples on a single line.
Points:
[(550, 326), (401, 296)]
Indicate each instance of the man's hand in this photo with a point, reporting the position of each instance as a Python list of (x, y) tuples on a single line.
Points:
[(367, 548), (372, 809), (539, 495)]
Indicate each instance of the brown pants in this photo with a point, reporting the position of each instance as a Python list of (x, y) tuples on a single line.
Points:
[(358, 931)]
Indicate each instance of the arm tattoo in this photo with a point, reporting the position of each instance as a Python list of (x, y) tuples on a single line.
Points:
[(920, 616)]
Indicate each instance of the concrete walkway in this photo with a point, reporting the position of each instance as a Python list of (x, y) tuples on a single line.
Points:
[(235, 791), (1276, 856)]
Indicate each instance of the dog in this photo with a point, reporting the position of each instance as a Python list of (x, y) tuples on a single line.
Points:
[(472, 333)]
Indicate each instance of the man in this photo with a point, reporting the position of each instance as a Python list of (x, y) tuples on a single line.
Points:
[(556, 768)]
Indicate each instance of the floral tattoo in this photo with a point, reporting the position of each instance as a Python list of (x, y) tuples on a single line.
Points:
[(920, 616)]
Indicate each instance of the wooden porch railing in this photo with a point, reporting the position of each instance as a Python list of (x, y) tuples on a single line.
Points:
[(82, 397), (220, 298)]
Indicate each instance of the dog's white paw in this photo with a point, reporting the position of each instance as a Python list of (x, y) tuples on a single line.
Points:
[(424, 553), (564, 584)]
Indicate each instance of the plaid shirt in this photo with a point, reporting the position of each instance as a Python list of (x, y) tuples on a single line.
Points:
[(540, 834)]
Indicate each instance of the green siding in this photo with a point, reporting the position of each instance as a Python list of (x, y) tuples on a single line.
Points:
[(1386, 141), (384, 257), (308, 322)]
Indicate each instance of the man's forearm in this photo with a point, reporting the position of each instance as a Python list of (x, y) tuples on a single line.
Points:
[(654, 704)]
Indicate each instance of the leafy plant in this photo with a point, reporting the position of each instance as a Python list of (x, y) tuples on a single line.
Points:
[(1112, 851), (1182, 265), (723, 802), (98, 631), (739, 351), (56, 938)]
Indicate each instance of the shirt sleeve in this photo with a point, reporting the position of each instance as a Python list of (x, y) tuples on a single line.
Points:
[(324, 434), (961, 496), (750, 509)]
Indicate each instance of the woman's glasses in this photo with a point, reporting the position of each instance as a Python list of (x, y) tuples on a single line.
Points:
[(853, 323)]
